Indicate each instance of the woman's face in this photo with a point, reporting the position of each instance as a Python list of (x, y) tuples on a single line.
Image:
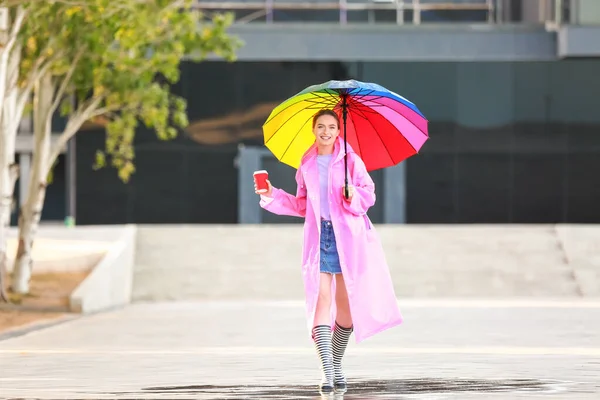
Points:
[(326, 130)]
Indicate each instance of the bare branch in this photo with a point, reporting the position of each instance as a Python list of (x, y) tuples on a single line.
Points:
[(76, 120), (107, 110), (12, 40), (99, 112), (38, 70), (12, 76), (16, 27), (65, 82)]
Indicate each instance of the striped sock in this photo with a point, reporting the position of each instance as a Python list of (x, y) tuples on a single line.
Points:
[(322, 337), (339, 341)]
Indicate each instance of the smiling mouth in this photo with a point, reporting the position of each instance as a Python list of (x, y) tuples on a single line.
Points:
[(325, 137)]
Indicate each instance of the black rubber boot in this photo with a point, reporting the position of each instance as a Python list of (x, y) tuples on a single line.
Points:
[(339, 342)]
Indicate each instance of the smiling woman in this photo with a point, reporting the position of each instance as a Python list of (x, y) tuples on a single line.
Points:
[(326, 126), (341, 249)]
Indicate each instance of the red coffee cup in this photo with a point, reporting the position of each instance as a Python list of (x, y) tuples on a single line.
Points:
[(260, 179)]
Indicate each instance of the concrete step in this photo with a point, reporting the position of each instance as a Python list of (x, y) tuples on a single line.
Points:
[(263, 261)]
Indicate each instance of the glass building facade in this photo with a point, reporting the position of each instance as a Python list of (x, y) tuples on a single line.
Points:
[(509, 143)]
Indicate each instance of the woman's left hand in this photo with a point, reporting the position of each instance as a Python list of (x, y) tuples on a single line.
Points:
[(350, 192)]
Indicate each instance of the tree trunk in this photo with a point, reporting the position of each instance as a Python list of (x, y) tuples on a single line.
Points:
[(10, 115), (5, 211), (9, 122), (7, 155), (4, 167), (6, 193), (29, 216)]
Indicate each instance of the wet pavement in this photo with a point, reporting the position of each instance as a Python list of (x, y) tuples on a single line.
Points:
[(252, 350), (365, 389)]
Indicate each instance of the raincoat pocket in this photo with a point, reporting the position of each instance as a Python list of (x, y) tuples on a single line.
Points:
[(369, 232)]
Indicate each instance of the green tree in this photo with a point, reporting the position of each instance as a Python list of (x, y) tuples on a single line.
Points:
[(15, 91), (120, 58)]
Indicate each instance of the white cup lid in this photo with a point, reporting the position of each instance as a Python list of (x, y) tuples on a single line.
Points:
[(262, 171)]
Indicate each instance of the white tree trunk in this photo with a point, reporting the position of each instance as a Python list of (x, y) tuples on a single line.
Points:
[(29, 216), (9, 69), (8, 177), (7, 156), (5, 211), (8, 40)]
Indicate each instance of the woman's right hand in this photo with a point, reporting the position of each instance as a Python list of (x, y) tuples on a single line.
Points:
[(268, 193)]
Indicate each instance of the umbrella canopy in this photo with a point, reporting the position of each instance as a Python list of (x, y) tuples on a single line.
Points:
[(382, 127)]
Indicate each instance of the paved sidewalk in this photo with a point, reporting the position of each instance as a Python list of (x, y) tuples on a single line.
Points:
[(445, 350)]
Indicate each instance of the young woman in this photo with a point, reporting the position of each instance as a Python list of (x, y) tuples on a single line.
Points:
[(346, 277)]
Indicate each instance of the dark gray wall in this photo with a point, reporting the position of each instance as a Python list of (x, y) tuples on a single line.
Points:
[(510, 142)]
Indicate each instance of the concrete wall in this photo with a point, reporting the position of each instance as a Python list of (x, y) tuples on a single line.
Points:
[(263, 261), (60, 249), (297, 42), (579, 41), (109, 284), (587, 12), (107, 252)]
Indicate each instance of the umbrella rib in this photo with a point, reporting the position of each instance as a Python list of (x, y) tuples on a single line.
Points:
[(323, 97), (309, 100), (282, 124), (416, 110), (357, 135), (360, 94), (316, 107), (330, 97), (384, 105), (326, 103), (399, 132), (361, 100), (395, 98), (361, 112), (295, 136), (329, 101), (381, 140)]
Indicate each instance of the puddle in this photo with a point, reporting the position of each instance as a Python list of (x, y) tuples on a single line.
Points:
[(362, 389)]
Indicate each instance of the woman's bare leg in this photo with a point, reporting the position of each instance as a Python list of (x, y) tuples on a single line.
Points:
[(342, 331), (321, 333), (343, 317), (323, 311)]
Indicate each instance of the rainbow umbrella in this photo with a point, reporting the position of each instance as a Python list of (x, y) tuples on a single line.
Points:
[(382, 127)]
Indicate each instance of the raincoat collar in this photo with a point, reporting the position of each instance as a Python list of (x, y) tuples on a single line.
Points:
[(338, 151)]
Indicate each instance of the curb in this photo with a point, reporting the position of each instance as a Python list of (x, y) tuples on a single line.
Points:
[(35, 326), (35, 308)]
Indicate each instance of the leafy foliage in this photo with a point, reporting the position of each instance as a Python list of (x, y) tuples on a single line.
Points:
[(116, 59)]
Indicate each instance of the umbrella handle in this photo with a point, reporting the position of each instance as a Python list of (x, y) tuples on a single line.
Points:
[(344, 116)]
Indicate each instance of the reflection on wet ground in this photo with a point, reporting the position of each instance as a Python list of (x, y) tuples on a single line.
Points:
[(363, 390)]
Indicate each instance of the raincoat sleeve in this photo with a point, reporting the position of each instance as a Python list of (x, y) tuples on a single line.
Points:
[(283, 203), (364, 188)]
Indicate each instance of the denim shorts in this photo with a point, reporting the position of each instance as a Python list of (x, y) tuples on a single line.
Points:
[(330, 260)]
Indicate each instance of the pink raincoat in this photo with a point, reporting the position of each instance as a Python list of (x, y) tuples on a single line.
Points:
[(370, 290)]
